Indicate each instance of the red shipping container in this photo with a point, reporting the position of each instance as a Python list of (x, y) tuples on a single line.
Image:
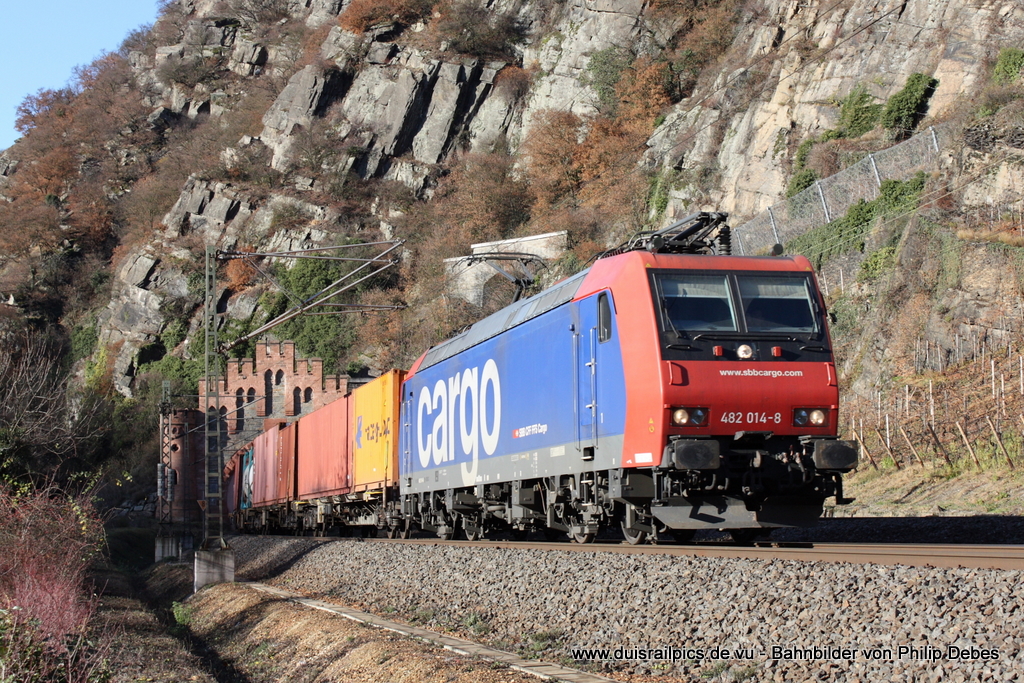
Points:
[(286, 451), (325, 451), (232, 478), (265, 463)]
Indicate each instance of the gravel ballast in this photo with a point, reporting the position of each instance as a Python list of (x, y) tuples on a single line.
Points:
[(778, 620)]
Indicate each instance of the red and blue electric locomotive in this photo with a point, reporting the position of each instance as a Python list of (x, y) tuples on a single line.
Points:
[(668, 388)]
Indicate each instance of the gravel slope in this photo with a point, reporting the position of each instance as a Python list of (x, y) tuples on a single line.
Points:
[(549, 602)]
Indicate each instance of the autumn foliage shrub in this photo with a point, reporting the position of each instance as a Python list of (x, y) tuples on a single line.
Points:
[(49, 541), (514, 82)]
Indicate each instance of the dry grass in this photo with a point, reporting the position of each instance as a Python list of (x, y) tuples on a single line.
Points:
[(272, 640), (1012, 235)]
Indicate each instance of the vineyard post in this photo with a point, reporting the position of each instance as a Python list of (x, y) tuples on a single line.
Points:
[(938, 444), (970, 449), (912, 449), (888, 450), (999, 440), (864, 448)]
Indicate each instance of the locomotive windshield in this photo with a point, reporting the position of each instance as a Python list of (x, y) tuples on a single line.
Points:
[(698, 302), (744, 303), (776, 304)]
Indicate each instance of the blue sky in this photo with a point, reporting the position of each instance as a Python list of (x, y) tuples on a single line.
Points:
[(40, 45)]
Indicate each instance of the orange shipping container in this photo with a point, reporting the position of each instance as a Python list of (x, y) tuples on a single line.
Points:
[(325, 454), (375, 432)]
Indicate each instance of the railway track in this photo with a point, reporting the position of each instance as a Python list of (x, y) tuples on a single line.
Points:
[(915, 555)]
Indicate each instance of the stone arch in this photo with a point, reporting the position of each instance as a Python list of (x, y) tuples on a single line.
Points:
[(308, 397), (279, 378), (297, 401)]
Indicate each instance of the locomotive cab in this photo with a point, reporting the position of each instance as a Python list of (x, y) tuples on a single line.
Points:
[(751, 394)]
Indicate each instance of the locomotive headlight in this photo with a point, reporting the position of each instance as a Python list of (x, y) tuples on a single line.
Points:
[(745, 352), (698, 416), (680, 416), (814, 417)]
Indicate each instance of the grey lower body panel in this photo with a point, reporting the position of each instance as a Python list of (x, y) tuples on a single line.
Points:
[(724, 512), (549, 461)]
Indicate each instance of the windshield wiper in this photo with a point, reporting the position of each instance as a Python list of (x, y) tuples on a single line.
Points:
[(668, 319), (749, 336), (720, 336)]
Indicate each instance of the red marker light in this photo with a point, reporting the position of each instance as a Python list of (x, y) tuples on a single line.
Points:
[(777, 351), (719, 350)]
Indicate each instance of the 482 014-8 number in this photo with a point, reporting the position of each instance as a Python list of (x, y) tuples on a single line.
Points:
[(751, 418)]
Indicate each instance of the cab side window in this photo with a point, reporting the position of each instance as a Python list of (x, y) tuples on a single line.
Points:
[(604, 318)]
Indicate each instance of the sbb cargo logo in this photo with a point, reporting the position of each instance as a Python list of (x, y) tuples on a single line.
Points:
[(466, 411)]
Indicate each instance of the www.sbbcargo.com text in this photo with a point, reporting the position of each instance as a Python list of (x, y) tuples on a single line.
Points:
[(787, 653)]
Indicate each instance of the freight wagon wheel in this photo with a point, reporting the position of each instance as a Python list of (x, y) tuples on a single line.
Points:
[(393, 532), (406, 531), (633, 536)]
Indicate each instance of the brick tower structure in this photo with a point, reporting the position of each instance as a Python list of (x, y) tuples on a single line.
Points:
[(272, 385)]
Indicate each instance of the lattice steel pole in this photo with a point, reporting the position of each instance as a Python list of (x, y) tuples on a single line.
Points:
[(214, 519), (164, 493)]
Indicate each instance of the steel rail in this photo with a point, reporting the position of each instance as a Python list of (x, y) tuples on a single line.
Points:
[(912, 554)]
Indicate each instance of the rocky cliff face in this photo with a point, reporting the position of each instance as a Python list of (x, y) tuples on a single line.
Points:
[(797, 62), (391, 103)]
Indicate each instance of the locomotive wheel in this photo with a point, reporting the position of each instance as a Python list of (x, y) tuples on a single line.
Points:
[(393, 532), (634, 537), (583, 538), (405, 532)]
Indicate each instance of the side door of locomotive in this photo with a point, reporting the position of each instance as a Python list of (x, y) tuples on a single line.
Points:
[(584, 377), (592, 327), (404, 474)]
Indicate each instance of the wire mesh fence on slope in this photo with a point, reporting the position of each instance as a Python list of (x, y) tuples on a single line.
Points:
[(830, 198)]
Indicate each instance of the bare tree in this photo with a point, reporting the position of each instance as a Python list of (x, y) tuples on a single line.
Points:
[(43, 421)]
